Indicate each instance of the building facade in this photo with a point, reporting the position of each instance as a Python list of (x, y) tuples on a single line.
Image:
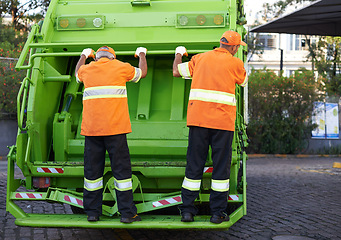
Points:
[(288, 52)]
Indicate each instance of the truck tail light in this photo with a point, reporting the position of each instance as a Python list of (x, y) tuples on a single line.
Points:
[(218, 19), (64, 23), (201, 20), (204, 20), (79, 23)]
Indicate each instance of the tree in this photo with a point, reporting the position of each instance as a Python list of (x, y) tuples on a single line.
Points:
[(11, 45), (10, 37), (277, 9), (269, 12), (325, 54), (18, 10)]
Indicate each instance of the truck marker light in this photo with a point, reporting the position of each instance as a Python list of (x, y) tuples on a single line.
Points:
[(97, 22), (183, 20), (64, 23), (201, 19), (81, 22), (218, 19)]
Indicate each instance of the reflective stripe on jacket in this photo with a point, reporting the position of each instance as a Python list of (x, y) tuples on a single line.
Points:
[(105, 92), (212, 96), (105, 104), (212, 102)]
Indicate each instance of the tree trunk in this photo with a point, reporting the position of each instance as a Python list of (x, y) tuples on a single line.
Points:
[(14, 13)]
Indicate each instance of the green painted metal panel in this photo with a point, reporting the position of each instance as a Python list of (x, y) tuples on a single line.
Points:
[(148, 222)]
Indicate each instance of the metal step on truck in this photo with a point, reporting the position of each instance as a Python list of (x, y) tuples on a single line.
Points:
[(49, 148)]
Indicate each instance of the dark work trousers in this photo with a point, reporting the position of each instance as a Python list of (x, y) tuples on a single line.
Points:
[(94, 162), (199, 141)]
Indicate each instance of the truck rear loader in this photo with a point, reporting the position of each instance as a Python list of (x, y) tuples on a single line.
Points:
[(49, 148)]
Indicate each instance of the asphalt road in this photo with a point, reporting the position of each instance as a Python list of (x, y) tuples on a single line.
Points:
[(289, 198)]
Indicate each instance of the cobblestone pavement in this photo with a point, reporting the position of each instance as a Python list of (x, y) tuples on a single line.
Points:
[(287, 197)]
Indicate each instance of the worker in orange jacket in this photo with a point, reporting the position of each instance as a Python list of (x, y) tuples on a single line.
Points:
[(105, 123), (211, 118)]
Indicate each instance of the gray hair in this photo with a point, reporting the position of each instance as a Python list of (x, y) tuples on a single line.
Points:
[(106, 54)]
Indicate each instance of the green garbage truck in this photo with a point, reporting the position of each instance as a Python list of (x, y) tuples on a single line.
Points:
[(49, 149)]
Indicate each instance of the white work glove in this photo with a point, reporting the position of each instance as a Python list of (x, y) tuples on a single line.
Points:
[(182, 50), (88, 52), (140, 50)]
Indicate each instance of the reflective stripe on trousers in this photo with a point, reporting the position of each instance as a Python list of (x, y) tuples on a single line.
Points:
[(220, 185), (216, 185), (191, 184), (93, 185), (123, 185)]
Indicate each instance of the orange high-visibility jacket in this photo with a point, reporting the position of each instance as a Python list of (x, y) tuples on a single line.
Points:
[(105, 104), (212, 102)]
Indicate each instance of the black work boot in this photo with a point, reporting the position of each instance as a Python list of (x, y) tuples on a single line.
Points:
[(187, 217), (219, 219), (93, 218), (136, 218)]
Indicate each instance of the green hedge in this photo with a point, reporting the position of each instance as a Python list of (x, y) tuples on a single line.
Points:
[(280, 110), (11, 44), (10, 80)]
